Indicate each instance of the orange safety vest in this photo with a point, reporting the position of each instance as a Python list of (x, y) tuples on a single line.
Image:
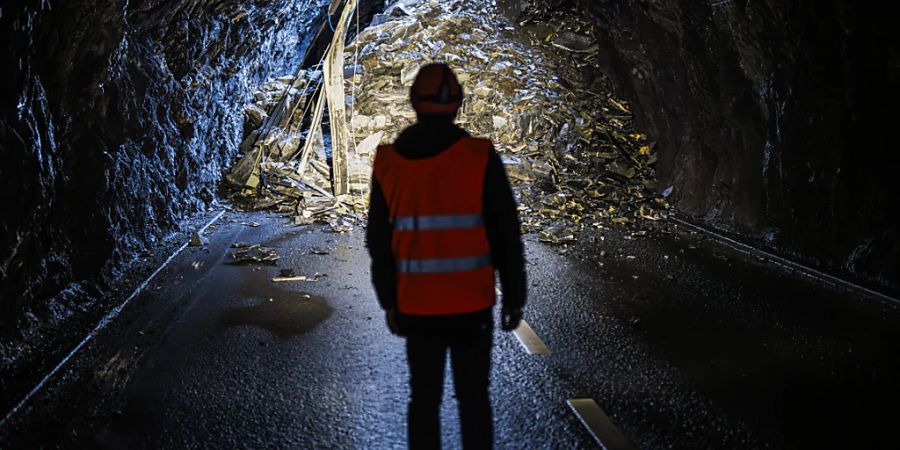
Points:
[(439, 240)]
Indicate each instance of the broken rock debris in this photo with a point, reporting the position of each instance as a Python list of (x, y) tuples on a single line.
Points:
[(570, 148), (253, 254), (198, 240)]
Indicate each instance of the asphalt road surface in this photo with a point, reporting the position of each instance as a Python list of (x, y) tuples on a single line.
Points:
[(681, 341)]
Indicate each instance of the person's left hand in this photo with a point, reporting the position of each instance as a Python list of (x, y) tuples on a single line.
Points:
[(510, 318), (390, 316)]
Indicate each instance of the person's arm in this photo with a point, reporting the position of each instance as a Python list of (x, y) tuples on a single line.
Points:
[(501, 219), (378, 240)]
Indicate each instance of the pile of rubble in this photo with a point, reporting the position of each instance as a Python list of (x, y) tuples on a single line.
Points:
[(569, 147), (296, 163)]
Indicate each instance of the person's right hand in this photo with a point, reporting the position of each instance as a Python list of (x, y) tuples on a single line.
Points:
[(510, 318), (390, 316)]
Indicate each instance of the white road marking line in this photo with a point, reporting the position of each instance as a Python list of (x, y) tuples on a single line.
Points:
[(100, 326), (598, 424), (530, 340)]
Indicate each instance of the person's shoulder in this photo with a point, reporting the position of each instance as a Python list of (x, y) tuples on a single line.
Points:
[(479, 144), (408, 134), (383, 149), (384, 154)]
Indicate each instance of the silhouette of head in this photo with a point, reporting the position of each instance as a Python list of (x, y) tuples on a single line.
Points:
[(436, 91)]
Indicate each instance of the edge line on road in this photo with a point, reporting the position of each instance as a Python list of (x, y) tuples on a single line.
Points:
[(109, 317), (530, 340), (598, 424), (788, 264)]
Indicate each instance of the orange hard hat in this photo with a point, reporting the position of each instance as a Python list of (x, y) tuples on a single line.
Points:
[(436, 90)]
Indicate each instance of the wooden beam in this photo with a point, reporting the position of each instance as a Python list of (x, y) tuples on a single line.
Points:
[(333, 71)]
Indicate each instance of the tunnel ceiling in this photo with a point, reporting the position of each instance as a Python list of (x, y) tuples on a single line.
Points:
[(119, 119)]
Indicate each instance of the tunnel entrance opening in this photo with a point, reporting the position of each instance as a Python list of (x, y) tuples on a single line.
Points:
[(569, 145)]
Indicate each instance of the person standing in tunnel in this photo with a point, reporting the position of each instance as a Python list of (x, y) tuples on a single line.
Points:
[(442, 219)]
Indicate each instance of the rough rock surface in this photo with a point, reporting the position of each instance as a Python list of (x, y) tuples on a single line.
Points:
[(118, 119), (773, 118)]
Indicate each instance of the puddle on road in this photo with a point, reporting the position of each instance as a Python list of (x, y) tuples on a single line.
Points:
[(284, 316)]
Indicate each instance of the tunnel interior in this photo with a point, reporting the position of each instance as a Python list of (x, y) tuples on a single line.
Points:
[(767, 122)]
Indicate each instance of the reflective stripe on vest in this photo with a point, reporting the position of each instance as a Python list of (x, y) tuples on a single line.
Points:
[(440, 265), (444, 222)]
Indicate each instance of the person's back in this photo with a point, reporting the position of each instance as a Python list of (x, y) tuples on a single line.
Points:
[(442, 219)]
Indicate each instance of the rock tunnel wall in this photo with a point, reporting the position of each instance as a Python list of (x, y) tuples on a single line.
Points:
[(118, 120), (774, 119)]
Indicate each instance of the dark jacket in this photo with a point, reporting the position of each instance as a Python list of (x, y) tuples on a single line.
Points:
[(427, 138)]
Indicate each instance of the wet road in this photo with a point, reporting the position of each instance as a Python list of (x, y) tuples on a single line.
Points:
[(684, 344)]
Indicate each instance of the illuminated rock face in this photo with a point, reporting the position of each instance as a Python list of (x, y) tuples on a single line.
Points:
[(118, 120), (774, 119)]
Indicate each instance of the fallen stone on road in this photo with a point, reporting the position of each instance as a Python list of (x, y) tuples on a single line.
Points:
[(254, 254)]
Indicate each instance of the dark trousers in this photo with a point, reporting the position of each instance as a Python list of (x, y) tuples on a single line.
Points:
[(470, 358)]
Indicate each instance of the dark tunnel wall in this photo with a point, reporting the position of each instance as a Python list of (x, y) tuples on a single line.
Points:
[(118, 120), (775, 119)]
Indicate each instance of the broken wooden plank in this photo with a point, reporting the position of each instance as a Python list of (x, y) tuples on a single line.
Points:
[(333, 72), (314, 128)]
